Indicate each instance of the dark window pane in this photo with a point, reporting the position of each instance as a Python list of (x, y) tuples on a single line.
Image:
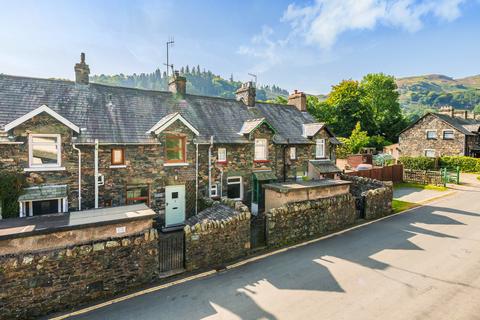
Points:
[(45, 207), (233, 191)]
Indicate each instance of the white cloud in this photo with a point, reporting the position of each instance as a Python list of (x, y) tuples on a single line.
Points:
[(325, 20)]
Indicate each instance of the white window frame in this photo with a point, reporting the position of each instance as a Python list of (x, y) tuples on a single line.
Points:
[(261, 143), (222, 155), (448, 130), (426, 150), (293, 153), (241, 186), (431, 130), (30, 151), (320, 148)]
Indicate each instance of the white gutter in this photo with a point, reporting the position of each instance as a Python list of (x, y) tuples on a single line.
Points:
[(196, 179), (79, 176), (210, 167), (96, 173)]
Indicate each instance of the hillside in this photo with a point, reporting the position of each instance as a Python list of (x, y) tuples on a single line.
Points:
[(198, 82), (421, 93)]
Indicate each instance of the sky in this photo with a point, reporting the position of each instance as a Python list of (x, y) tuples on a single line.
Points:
[(304, 45)]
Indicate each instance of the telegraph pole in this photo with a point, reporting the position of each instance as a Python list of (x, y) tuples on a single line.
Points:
[(255, 77)]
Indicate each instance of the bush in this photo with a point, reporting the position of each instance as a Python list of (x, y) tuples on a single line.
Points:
[(11, 187), (466, 164), (418, 163)]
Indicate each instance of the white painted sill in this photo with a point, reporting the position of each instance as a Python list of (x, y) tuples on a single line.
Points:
[(180, 164), (38, 169), (118, 166)]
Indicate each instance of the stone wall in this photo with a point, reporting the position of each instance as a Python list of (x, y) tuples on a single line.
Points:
[(413, 141), (212, 243), (299, 221), (37, 283), (372, 196)]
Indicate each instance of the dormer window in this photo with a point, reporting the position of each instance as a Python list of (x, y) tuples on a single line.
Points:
[(320, 148), (261, 150), (44, 151), (175, 149)]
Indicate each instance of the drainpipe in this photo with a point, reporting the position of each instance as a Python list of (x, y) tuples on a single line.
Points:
[(210, 166), (96, 173), (196, 178), (285, 160), (221, 182), (79, 176)]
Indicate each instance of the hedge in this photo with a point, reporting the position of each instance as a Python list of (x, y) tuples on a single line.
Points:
[(466, 164)]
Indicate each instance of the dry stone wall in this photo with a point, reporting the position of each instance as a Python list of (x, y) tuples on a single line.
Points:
[(33, 284), (372, 196), (299, 221), (212, 243)]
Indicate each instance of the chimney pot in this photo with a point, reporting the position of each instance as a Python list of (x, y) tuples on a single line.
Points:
[(246, 93), (82, 71), (299, 100), (177, 84)]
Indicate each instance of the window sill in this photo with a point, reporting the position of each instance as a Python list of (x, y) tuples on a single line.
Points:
[(261, 161), (176, 164), (35, 169), (118, 166), (222, 162)]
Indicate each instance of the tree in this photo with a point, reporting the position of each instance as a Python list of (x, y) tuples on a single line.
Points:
[(477, 109), (347, 108), (380, 95), (358, 139)]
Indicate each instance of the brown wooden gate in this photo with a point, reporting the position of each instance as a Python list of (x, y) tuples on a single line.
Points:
[(171, 249)]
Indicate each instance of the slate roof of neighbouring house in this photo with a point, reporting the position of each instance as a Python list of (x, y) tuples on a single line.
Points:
[(124, 115), (468, 127), (325, 166)]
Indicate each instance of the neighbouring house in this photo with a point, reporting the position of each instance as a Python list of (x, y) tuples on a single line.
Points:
[(392, 150), (83, 145), (447, 133)]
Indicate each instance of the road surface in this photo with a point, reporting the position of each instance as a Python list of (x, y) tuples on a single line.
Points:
[(423, 264)]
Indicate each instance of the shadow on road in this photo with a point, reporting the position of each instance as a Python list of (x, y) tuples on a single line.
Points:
[(241, 292)]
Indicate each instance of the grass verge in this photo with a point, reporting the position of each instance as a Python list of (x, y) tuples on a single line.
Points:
[(399, 205), (419, 186)]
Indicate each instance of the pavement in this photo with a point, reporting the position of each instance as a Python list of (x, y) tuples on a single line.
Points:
[(420, 264), (417, 195)]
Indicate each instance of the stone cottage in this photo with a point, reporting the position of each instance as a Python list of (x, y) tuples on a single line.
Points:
[(447, 133), (83, 145)]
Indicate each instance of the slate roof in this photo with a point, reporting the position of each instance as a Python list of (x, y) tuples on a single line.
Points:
[(44, 193), (124, 115), (459, 123), (250, 125), (465, 126)]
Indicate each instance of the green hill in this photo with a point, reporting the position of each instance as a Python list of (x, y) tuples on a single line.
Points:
[(198, 82), (429, 92)]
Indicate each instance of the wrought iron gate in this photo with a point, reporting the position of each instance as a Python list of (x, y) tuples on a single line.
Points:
[(171, 249)]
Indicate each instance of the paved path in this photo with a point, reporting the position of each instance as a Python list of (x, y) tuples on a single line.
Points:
[(423, 264), (417, 195)]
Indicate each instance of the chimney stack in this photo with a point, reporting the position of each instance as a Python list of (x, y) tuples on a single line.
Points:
[(82, 71), (299, 100), (177, 84), (246, 93), (447, 110)]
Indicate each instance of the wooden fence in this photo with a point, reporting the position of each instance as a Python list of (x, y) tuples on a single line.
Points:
[(392, 173)]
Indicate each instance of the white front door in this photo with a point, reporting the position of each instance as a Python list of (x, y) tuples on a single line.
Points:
[(174, 205)]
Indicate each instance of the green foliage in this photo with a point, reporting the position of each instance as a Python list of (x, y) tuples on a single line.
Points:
[(477, 109), (373, 102), (378, 142), (11, 187), (198, 82), (419, 94), (466, 164), (418, 163), (358, 139), (399, 205)]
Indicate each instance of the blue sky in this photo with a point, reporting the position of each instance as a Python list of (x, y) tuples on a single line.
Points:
[(305, 45)]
